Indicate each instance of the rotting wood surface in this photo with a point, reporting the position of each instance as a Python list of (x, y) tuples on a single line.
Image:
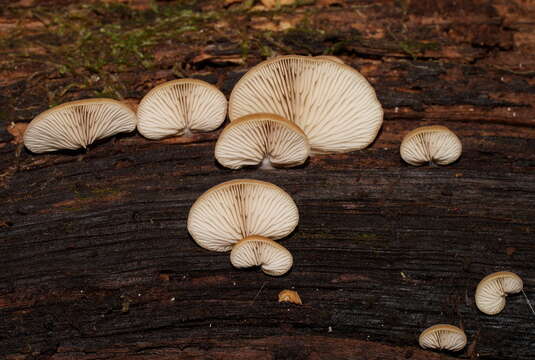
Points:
[(96, 260)]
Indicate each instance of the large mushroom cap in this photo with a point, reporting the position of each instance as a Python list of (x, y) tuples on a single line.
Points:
[(239, 208), (492, 290), (430, 144), (180, 106), (261, 138), (443, 337), (333, 103), (77, 124), (273, 258)]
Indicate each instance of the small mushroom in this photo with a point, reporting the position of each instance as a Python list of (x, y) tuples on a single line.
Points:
[(290, 296), (272, 257), (430, 144), (77, 124), (180, 107), (331, 58), (266, 139), (443, 337), (332, 103), (239, 208), (492, 290)]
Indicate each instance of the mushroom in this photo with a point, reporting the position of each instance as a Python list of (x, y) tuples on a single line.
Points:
[(331, 102), (430, 144), (76, 124), (331, 58), (492, 290), (239, 208), (273, 258), (443, 337), (180, 107), (266, 139), (290, 296)]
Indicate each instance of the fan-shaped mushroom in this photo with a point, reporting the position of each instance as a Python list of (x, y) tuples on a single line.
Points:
[(443, 337), (77, 124), (261, 138), (492, 290), (273, 258), (180, 107), (430, 144), (332, 103), (239, 208), (331, 58)]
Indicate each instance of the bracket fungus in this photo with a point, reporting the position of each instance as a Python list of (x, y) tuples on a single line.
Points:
[(266, 139), (443, 337), (492, 290), (430, 144), (180, 107), (331, 102), (239, 208), (77, 124), (272, 257)]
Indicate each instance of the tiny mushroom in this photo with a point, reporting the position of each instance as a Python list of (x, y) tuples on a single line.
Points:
[(77, 124), (430, 144), (331, 102), (266, 139), (272, 257), (290, 296), (180, 107), (239, 208), (443, 337), (492, 290)]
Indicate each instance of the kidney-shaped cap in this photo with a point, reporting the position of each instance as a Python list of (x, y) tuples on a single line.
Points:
[(431, 144), (443, 337), (266, 139), (179, 107), (272, 257), (331, 102), (492, 290), (76, 124), (239, 208)]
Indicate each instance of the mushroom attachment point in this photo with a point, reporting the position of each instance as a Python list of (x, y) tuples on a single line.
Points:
[(77, 124), (331, 102), (272, 257), (492, 290), (430, 144), (239, 208), (180, 107), (266, 139), (290, 296), (443, 337)]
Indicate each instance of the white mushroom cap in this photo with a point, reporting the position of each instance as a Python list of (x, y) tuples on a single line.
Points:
[(333, 103), (262, 138), (430, 144), (443, 337), (273, 258), (239, 208), (331, 58), (179, 107), (77, 124), (492, 290)]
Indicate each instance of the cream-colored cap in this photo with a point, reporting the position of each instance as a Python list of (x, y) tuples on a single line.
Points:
[(273, 258), (493, 289), (443, 337), (430, 144)]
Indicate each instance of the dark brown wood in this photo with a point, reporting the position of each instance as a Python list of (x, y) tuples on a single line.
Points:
[(96, 261)]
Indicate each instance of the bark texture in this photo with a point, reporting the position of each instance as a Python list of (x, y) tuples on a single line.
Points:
[(96, 261)]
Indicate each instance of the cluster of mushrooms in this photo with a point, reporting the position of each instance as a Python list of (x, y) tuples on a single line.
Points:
[(281, 112)]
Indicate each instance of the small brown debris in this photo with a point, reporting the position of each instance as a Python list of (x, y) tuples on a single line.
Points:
[(510, 251), (17, 131), (273, 3), (290, 296)]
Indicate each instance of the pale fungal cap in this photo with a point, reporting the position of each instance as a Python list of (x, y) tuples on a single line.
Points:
[(443, 337), (273, 258), (290, 296), (331, 58), (77, 124), (266, 139), (430, 144), (180, 107), (492, 290), (332, 103), (239, 208)]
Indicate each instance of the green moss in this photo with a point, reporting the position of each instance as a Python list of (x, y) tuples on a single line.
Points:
[(366, 236)]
